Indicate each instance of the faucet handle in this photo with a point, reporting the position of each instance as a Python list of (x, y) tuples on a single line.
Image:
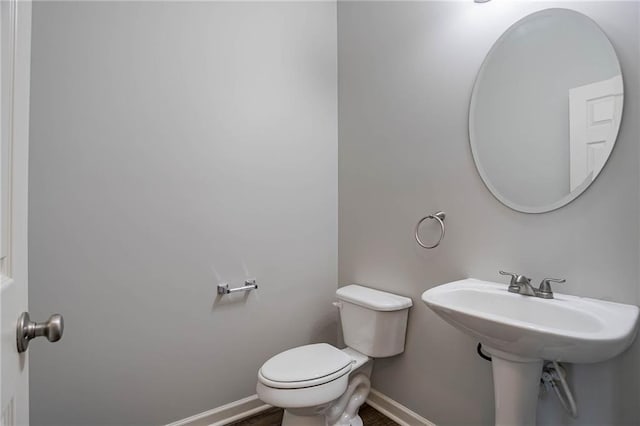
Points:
[(544, 290), (512, 275)]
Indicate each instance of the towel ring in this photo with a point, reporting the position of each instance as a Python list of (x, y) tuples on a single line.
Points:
[(436, 216)]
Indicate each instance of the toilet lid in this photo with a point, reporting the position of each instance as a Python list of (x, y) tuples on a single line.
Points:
[(306, 363)]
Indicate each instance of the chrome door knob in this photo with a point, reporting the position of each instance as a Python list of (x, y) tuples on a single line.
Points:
[(27, 330)]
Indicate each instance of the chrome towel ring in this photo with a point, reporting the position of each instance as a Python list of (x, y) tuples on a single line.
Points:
[(436, 216)]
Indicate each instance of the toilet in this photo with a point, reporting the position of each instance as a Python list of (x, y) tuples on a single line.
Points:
[(321, 385)]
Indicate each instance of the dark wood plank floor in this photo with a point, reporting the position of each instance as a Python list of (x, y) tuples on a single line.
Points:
[(273, 417), (372, 417)]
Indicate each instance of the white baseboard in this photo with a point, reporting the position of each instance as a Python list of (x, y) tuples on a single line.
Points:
[(226, 414), (396, 411), (251, 406)]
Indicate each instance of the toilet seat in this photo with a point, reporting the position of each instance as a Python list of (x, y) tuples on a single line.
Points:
[(305, 366), (304, 383)]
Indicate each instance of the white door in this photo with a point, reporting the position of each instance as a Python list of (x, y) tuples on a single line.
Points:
[(15, 41), (595, 111)]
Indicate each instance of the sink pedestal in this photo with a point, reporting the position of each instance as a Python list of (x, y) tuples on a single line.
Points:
[(516, 382)]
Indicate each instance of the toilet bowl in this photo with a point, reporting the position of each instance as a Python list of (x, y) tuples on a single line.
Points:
[(321, 385)]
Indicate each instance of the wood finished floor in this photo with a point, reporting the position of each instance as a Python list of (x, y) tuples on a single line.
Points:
[(273, 417)]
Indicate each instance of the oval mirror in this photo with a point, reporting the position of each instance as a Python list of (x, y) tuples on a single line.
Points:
[(545, 110)]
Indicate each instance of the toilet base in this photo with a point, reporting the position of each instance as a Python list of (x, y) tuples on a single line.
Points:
[(290, 419), (341, 412), (357, 421)]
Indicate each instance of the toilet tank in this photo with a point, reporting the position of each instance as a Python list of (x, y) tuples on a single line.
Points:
[(374, 322)]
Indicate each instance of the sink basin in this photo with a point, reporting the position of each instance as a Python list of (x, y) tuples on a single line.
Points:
[(566, 328), (521, 331)]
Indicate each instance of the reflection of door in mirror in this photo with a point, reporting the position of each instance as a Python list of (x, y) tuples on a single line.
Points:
[(594, 118)]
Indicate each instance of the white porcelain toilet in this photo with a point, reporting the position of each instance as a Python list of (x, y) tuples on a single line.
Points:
[(321, 385)]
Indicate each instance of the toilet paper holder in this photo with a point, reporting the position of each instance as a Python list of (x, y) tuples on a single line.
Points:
[(249, 285)]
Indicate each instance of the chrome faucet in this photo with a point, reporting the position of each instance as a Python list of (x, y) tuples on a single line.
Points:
[(522, 285), (545, 287), (519, 284)]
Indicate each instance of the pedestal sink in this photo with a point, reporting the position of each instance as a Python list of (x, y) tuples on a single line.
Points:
[(520, 332)]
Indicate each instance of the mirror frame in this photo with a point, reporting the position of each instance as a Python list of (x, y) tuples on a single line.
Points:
[(472, 108)]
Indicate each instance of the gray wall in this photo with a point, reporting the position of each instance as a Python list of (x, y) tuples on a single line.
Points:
[(406, 71), (174, 146)]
